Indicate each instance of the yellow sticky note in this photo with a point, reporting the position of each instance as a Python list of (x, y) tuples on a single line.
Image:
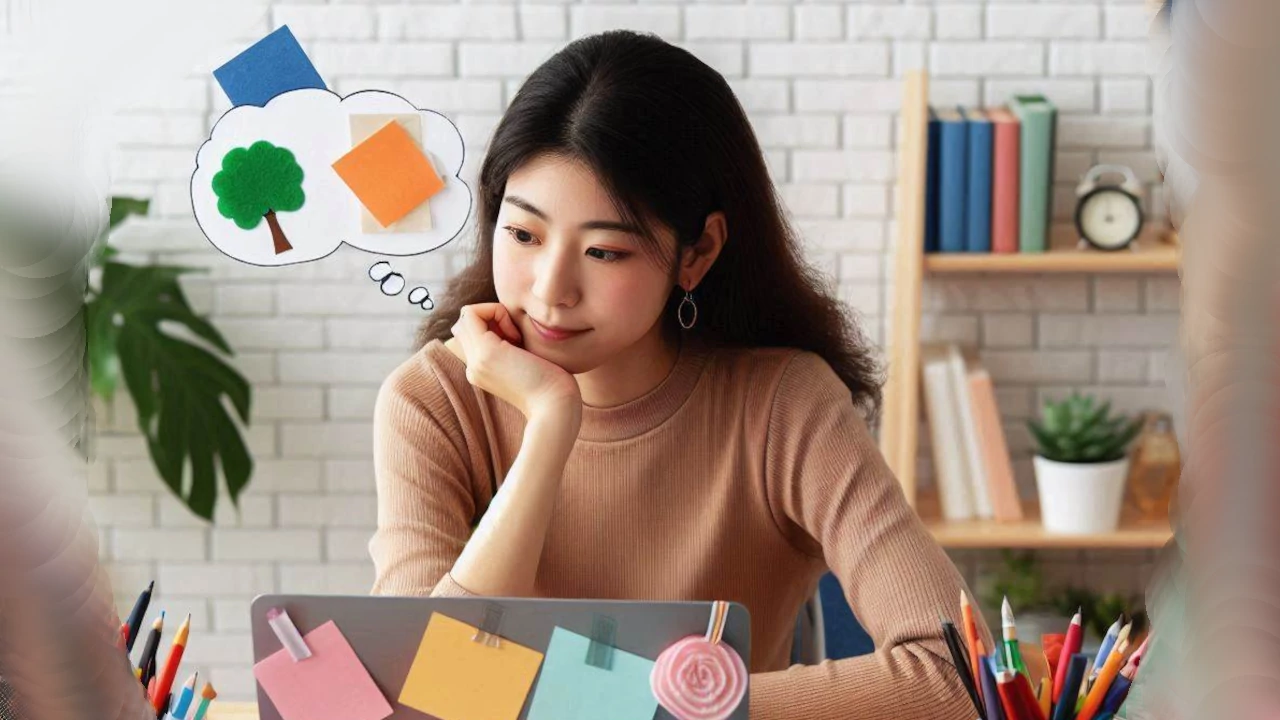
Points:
[(455, 678)]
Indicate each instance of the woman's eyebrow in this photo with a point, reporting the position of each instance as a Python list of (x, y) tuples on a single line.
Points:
[(589, 225)]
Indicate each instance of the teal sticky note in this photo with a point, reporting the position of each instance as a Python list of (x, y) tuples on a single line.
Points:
[(570, 689)]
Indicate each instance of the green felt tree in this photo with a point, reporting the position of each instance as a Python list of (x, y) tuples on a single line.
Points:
[(257, 182)]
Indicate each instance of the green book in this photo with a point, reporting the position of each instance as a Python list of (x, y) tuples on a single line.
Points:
[(1038, 118)]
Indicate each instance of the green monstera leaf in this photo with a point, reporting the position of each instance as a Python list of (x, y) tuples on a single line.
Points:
[(142, 331)]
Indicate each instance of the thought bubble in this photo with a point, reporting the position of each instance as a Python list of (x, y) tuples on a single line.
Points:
[(277, 162)]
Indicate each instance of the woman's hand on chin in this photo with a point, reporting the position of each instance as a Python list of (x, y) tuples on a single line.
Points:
[(488, 342)]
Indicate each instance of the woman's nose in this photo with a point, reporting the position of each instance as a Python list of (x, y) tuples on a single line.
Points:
[(554, 281)]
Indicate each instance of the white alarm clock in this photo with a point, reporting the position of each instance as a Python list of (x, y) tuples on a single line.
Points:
[(1109, 213)]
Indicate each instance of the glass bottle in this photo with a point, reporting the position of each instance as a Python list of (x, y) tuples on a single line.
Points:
[(1154, 469)]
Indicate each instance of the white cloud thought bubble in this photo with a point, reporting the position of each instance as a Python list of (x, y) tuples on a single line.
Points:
[(315, 127)]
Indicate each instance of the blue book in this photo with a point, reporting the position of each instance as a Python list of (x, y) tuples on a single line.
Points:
[(978, 210), (931, 185), (953, 177)]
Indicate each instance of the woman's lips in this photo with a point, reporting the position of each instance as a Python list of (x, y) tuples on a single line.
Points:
[(554, 334)]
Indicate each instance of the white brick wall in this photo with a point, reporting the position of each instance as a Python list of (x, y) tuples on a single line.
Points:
[(821, 82)]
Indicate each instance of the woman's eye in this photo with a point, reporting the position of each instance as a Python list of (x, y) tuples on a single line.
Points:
[(522, 236), (607, 255)]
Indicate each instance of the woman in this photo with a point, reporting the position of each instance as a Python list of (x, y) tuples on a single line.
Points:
[(641, 391)]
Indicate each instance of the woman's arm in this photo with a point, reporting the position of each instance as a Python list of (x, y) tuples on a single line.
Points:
[(427, 501), (834, 497), (428, 495), (501, 559)]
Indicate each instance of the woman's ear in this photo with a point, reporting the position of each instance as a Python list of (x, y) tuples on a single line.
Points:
[(698, 258)]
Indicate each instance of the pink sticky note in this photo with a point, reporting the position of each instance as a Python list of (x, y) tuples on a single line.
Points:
[(332, 684)]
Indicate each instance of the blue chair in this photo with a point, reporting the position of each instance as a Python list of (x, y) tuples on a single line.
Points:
[(826, 628), (844, 635)]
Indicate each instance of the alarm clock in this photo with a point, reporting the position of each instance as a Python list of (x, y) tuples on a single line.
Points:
[(1109, 213)]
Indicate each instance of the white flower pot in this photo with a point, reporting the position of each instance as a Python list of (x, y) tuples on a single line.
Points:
[(1080, 498)]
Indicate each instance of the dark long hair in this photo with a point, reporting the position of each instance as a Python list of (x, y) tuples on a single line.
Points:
[(670, 143)]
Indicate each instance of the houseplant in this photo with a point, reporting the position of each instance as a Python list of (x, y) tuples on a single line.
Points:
[(1041, 609), (142, 331), (1081, 464)]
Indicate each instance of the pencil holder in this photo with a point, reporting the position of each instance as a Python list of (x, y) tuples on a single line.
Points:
[(1080, 498)]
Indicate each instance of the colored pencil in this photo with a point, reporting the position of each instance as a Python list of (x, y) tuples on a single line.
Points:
[(1108, 641), (171, 664), (1010, 629), (1009, 698), (1046, 696), (1017, 697), (139, 612), (1077, 666), (954, 645), (971, 636), (147, 659), (1116, 694), (184, 698), (1135, 658), (206, 696), (1070, 646), (990, 695), (1028, 697), (1093, 701)]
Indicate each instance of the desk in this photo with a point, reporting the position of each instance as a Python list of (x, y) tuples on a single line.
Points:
[(232, 711)]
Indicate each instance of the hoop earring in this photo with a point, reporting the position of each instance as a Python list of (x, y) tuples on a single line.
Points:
[(688, 299)]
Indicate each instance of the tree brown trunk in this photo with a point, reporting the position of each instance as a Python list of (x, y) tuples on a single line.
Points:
[(277, 234)]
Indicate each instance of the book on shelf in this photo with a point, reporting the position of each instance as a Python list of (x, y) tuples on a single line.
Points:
[(1006, 136), (1002, 488), (975, 463), (1038, 119), (932, 154), (972, 469), (953, 178), (977, 231), (989, 177), (950, 467)]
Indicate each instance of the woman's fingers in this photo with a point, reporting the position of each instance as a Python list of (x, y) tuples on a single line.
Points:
[(469, 326), (506, 326), (493, 317)]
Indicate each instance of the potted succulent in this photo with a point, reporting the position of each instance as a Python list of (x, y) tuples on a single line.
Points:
[(1081, 464)]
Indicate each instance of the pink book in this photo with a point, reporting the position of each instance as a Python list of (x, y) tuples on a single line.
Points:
[(1001, 487), (1004, 180)]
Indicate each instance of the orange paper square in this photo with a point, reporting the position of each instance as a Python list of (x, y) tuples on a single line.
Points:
[(389, 174)]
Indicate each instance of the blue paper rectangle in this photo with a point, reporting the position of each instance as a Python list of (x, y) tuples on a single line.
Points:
[(275, 64), (570, 689)]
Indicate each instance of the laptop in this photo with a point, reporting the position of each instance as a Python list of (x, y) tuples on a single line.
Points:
[(385, 632)]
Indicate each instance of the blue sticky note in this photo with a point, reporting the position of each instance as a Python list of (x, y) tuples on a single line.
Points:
[(570, 689), (273, 65)]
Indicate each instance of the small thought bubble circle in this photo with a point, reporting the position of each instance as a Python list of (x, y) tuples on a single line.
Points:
[(392, 284), (421, 297), (379, 270)]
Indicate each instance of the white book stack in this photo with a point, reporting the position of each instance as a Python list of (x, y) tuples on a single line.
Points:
[(950, 458)]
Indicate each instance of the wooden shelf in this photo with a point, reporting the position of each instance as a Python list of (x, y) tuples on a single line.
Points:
[(1152, 253), (1030, 534), (1156, 251)]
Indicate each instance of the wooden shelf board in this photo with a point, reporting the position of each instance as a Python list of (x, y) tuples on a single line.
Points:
[(1154, 252), (1029, 533)]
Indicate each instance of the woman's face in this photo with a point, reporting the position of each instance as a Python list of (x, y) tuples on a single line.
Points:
[(563, 259)]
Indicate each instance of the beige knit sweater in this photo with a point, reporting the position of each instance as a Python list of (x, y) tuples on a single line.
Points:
[(743, 476)]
